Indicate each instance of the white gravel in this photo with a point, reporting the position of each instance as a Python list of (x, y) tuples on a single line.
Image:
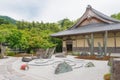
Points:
[(46, 72)]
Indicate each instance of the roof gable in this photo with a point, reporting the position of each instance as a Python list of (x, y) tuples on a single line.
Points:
[(92, 21), (92, 16)]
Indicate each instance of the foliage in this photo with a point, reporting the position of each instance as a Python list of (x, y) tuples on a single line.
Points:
[(10, 54), (58, 43), (3, 35), (65, 24), (75, 53), (110, 62), (31, 52), (40, 39), (8, 19), (27, 36), (17, 39), (107, 76), (116, 16)]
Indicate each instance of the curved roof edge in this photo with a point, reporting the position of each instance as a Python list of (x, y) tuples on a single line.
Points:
[(98, 14)]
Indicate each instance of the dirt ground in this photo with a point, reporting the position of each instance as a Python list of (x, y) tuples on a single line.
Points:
[(94, 57)]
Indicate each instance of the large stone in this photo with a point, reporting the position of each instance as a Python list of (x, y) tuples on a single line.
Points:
[(61, 55), (89, 64), (84, 54), (25, 59), (63, 68), (115, 69)]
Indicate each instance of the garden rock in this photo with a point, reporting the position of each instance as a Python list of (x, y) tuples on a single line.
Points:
[(89, 64), (84, 54), (25, 59), (63, 68), (61, 55)]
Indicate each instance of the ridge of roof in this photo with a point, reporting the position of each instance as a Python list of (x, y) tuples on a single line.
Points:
[(104, 17)]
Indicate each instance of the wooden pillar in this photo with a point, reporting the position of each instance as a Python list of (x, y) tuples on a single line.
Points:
[(92, 44), (64, 48), (84, 41), (105, 42), (74, 45), (89, 43), (115, 42)]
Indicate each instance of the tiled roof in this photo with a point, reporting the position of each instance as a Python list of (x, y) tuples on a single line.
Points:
[(107, 24), (91, 28)]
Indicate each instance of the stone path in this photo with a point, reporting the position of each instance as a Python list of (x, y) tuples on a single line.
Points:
[(7, 73)]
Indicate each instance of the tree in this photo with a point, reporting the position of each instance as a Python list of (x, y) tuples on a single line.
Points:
[(3, 35), (2, 21), (39, 39), (58, 43), (31, 35), (116, 16), (47, 40), (65, 23), (18, 39)]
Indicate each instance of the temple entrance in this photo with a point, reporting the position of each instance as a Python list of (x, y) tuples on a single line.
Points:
[(69, 45)]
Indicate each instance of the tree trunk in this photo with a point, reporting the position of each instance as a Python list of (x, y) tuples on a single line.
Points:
[(2, 51)]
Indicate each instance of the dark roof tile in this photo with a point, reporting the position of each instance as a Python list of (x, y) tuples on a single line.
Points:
[(88, 29)]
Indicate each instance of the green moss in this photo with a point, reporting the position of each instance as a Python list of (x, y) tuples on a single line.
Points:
[(75, 53), (11, 54)]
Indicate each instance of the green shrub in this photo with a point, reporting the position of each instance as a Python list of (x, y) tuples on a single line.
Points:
[(1, 57), (75, 53), (107, 76), (10, 54), (31, 51), (110, 62)]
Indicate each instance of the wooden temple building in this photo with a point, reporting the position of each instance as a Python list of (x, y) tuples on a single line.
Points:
[(94, 25)]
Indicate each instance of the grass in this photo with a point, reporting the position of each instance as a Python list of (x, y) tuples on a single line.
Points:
[(24, 55)]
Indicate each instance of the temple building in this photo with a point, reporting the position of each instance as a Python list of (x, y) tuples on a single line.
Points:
[(101, 29)]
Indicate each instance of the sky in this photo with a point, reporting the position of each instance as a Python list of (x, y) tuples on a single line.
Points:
[(54, 10)]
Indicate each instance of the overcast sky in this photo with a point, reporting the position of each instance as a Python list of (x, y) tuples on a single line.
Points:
[(54, 10)]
